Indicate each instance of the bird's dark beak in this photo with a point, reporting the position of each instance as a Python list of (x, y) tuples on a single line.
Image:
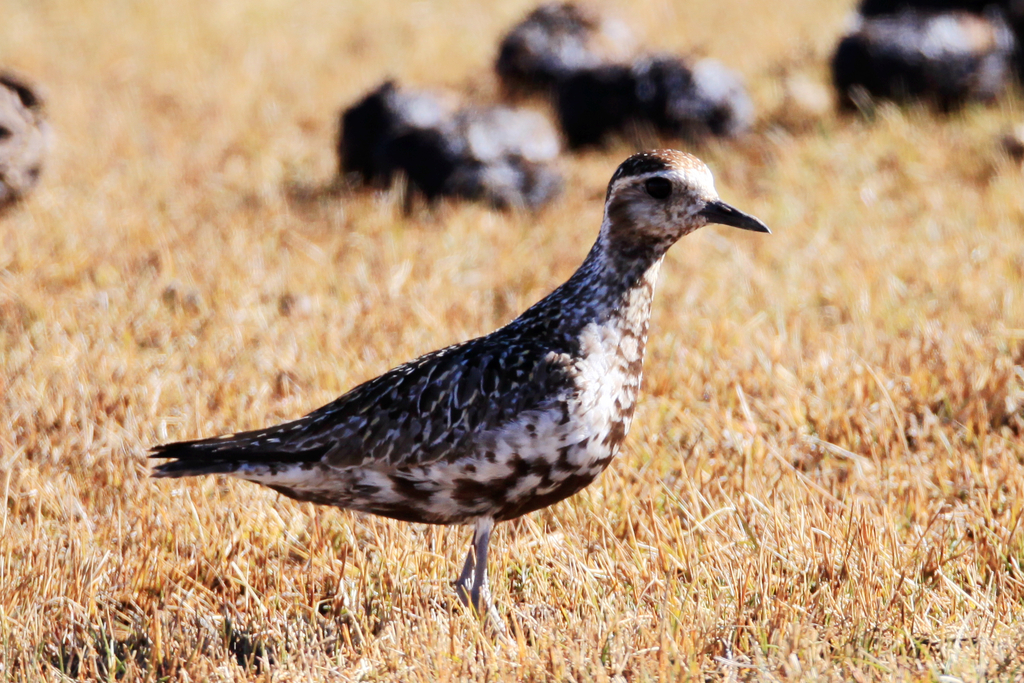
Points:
[(720, 212)]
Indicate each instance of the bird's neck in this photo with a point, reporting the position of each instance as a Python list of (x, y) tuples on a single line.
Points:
[(609, 289)]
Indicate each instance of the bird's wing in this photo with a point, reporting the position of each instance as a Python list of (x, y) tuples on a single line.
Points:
[(430, 409)]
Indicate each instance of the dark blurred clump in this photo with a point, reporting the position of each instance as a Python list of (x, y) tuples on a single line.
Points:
[(555, 41), (369, 130), (662, 93), (24, 138), (444, 148), (940, 51), (584, 63), (1011, 11)]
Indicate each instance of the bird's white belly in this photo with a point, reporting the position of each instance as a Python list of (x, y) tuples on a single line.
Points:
[(543, 453)]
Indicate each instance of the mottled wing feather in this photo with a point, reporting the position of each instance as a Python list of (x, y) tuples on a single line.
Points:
[(432, 408), (427, 410)]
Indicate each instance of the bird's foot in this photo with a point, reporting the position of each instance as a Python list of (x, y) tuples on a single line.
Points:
[(478, 598), (470, 595)]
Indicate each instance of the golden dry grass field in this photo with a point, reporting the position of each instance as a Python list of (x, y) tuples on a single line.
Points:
[(825, 477)]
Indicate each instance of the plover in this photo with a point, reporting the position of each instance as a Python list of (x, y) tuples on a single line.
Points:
[(501, 425)]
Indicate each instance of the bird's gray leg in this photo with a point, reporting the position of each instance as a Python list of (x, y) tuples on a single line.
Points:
[(481, 539), (462, 585), (475, 566)]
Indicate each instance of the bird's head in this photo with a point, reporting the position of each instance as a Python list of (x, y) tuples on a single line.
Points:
[(656, 197)]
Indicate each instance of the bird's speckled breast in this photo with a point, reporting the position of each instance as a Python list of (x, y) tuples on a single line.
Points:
[(607, 373)]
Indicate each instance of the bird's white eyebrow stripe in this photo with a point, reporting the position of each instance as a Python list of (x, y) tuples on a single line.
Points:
[(641, 164), (653, 163)]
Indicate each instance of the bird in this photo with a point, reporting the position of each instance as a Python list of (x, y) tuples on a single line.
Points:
[(493, 428)]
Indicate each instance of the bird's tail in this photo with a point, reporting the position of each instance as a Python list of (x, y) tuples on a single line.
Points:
[(191, 458), (228, 454)]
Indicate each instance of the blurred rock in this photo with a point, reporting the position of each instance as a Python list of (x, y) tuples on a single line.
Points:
[(383, 115), (663, 93), (874, 8), (1012, 11), (511, 151), (947, 58), (556, 40), (510, 182), (587, 64), (24, 138), (493, 133), (496, 154), (719, 101), (594, 103)]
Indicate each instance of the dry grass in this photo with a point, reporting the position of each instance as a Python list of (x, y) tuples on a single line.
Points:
[(825, 479)]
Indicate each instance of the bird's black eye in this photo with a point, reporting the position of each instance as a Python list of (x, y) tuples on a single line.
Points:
[(659, 188)]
